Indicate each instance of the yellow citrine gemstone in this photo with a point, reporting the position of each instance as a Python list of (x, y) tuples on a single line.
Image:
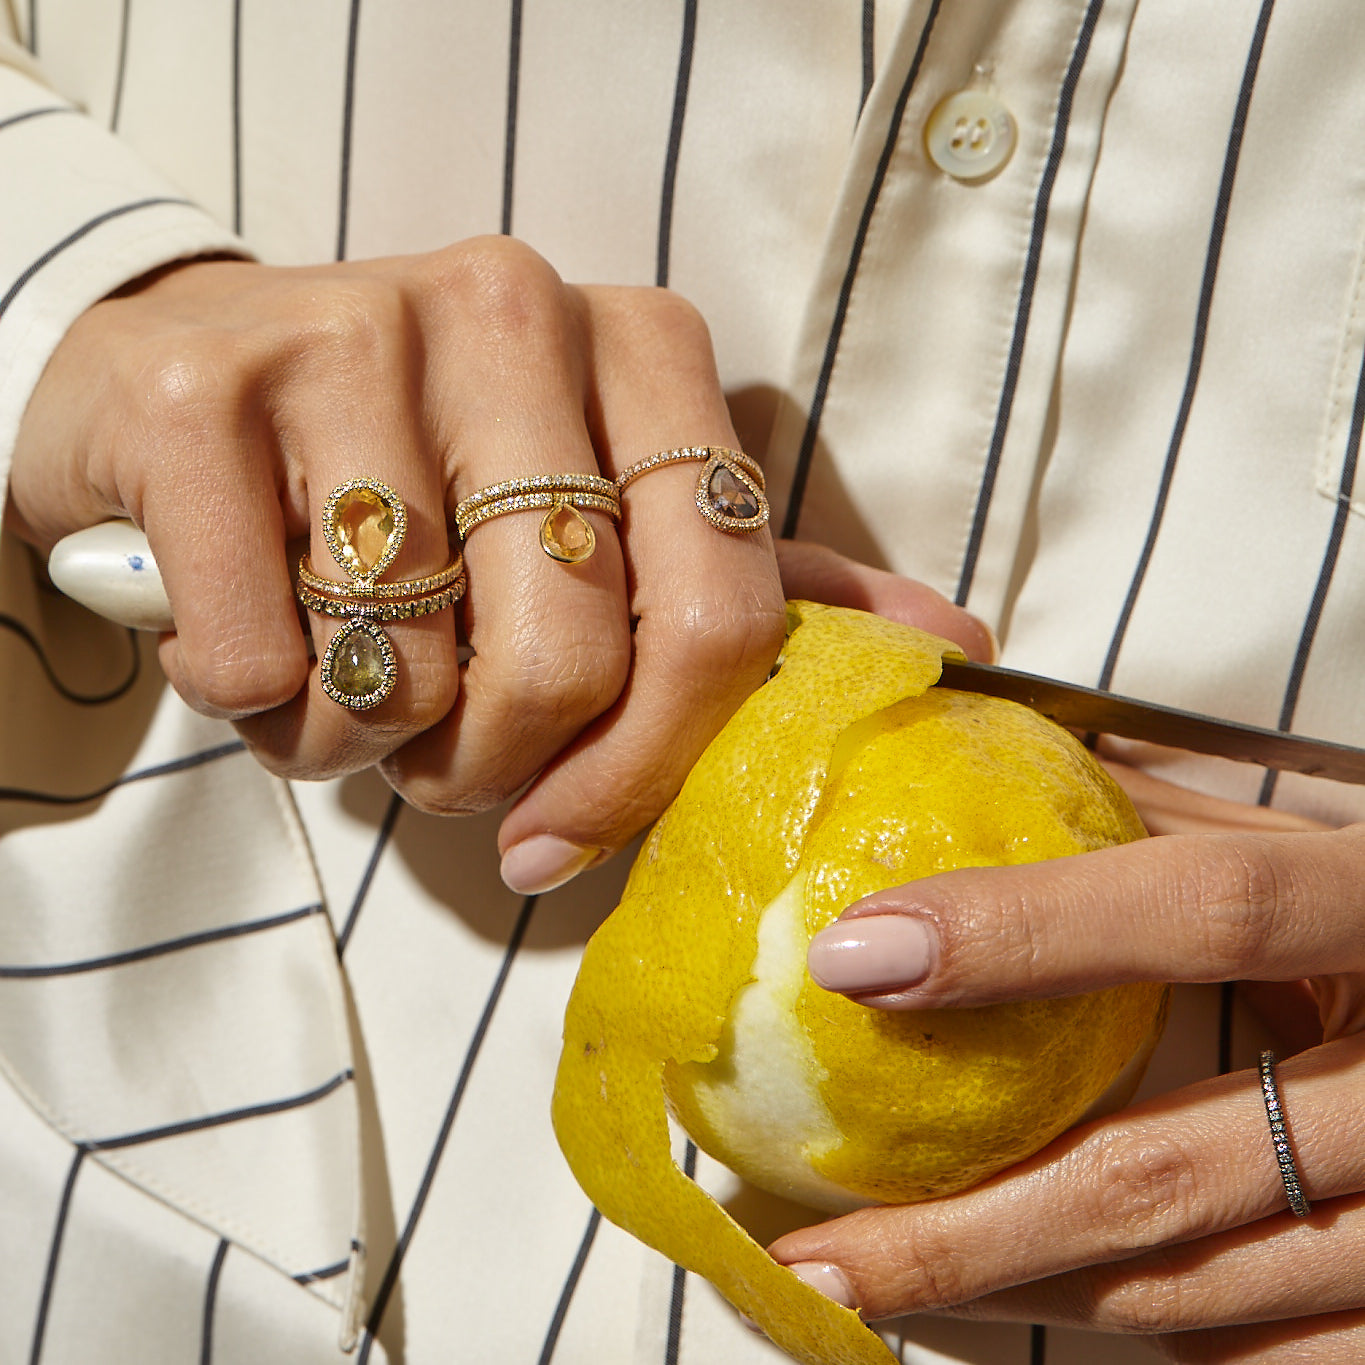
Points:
[(363, 524), (566, 534)]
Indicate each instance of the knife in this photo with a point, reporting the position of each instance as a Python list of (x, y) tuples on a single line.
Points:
[(110, 569), (1087, 708)]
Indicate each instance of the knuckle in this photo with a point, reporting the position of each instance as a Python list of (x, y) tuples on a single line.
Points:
[(668, 316), (1251, 887), (726, 641), (180, 393), (358, 322), (658, 332), (1141, 1308), (927, 1272), (568, 682), (235, 678), (506, 291), (1145, 1190)]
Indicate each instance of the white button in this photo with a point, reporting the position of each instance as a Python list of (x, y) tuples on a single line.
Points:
[(970, 135)]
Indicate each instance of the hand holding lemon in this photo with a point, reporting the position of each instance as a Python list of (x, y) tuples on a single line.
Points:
[(842, 776)]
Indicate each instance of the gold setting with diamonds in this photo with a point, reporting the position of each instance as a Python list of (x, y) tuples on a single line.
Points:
[(566, 534), (729, 491), (364, 523)]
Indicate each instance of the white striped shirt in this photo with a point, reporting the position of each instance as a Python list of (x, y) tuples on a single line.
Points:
[(275, 1064)]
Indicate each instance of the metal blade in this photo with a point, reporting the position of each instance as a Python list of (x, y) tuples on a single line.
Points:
[(1085, 708)]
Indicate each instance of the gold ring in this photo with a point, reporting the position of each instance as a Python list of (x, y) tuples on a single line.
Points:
[(364, 592), (364, 522), (729, 492), (389, 609), (565, 533)]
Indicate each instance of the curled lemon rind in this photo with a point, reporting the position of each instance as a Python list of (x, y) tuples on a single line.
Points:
[(658, 978)]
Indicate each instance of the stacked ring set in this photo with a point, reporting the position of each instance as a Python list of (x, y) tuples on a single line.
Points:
[(364, 523)]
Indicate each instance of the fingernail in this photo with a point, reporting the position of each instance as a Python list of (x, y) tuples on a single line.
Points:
[(994, 640), (828, 1279), (543, 862), (871, 953)]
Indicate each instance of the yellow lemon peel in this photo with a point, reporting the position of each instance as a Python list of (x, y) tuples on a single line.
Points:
[(783, 821)]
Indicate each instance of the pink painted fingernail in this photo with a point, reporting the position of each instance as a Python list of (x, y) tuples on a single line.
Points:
[(828, 1279), (871, 953), (543, 862)]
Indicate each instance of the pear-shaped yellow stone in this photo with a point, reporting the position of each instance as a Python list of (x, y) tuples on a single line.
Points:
[(567, 535), (363, 527)]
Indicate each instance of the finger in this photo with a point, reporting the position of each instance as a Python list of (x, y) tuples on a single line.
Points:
[(1167, 808), (1325, 1339), (1179, 908), (819, 574), (708, 604), (1275, 1269), (1175, 1170), (550, 641), (344, 407), (206, 494)]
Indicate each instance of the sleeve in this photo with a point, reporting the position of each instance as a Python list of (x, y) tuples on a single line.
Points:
[(81, 216)]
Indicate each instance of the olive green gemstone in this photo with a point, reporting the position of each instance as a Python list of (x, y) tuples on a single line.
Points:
[(358, 665)]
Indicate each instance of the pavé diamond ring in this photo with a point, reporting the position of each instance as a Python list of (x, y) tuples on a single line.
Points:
[(729, 491), (565, 533)]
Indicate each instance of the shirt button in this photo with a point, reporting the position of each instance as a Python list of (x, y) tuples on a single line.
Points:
[(970, 135)]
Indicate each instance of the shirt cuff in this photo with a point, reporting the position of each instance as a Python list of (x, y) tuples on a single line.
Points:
[(83, 217)]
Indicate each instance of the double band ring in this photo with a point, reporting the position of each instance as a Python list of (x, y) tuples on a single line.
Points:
[(565, 533), (1279, 1137), (389, 609), (363, 523), (729, 491), (370, 592)]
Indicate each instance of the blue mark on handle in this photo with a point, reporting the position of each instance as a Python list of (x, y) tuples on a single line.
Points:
[(136, 562)]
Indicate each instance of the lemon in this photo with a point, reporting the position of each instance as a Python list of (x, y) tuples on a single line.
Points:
[(846, 773)]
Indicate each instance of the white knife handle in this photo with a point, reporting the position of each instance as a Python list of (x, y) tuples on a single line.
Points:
[(110, 569)]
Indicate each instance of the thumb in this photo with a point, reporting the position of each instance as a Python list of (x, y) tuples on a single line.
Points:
[(820, 575)]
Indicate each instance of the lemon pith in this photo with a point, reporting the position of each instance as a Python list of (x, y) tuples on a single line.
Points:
[(841, 776)]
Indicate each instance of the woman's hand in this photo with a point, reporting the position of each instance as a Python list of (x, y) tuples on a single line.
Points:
[(218, 403), (1168, 1219)]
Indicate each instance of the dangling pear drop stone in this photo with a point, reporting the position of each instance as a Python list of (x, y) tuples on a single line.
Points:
[(567, 535), (358, 669)]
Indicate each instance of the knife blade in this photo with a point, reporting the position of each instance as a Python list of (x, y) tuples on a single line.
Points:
[(1087, 708)]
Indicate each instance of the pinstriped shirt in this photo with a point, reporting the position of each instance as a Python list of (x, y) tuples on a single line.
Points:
[(275, 1063)]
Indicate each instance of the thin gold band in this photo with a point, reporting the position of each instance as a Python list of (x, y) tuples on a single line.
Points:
[(549, 487), (628, 475), (361, 591), (468, 519)]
